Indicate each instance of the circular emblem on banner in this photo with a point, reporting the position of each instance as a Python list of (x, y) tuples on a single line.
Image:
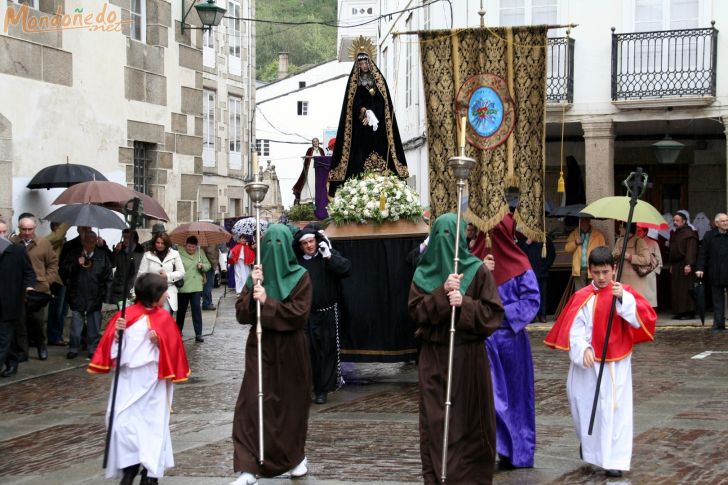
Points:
[(484, 100)]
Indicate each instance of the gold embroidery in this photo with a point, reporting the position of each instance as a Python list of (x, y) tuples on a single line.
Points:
[(375, 163), (486, 51)]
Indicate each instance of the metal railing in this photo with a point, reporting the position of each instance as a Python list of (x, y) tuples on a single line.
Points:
[(560, 70), (664, 63)]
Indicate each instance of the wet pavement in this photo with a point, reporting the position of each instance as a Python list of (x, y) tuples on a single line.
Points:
[(52, 412)]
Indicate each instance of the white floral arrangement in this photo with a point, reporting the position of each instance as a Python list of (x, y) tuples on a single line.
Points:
[(375, 198)]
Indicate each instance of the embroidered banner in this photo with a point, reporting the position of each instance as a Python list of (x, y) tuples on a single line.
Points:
[(493, 69)]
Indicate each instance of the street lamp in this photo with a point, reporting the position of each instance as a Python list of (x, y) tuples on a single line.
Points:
[(667, 150), (210, 15)]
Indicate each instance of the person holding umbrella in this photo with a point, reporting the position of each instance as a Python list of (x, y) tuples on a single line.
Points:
[(89, 275), (649, 236), (196, 265), (208, 236), (580, 243), (637, 253)]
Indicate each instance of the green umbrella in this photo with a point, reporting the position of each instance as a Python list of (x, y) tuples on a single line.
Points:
[(617, 207)]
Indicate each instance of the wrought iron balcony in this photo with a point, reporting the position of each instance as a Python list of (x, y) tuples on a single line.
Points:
[(560, 70), (668, 63)]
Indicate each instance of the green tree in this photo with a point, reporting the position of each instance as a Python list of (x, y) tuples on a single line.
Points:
[(305, 44)]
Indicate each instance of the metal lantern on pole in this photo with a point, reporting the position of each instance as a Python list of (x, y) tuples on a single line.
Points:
[(461, 167), (256, 190)]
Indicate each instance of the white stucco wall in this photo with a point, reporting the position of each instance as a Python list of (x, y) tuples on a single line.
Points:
[(290, 135), (52, 122)]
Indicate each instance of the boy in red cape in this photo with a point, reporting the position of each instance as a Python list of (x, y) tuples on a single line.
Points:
[(152, 359), (580, 330)]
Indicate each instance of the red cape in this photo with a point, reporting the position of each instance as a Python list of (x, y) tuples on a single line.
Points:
[(172, 357), (248, 254), (622, 336)]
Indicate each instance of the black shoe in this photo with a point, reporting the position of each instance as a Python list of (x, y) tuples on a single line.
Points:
[(211, 308), (145, 480), (22, 357), (198, 338), (72, 355), (613, 473), (43, 352), (320, 398), (130, 473), (504, 463), (9, 371)]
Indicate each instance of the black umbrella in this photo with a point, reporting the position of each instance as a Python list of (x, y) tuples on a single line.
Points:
[(698, 294), (87, 215), (64, 175), (572, 210)]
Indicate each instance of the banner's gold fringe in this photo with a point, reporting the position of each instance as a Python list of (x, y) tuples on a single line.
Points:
[(486, 224), (534, 234)]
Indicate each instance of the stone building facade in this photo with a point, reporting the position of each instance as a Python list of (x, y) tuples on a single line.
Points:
[(120, 86)]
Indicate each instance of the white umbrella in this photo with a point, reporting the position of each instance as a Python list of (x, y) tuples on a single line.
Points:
[(246, 227)]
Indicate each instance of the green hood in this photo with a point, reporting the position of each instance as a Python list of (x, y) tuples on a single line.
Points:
[(437, 262), (281, 271)]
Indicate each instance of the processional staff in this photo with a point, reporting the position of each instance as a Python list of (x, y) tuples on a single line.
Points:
[(636, 184), (256, 190), (132, 215), (461, 167)]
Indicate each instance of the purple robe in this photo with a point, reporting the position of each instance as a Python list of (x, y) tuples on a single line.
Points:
[(511, 369)]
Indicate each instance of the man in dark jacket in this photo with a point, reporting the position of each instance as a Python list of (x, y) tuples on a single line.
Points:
[(326, 268), (713, 258), (682, 258), (89, 276), (18, 277), (33, 324), (540, 266), (129, 250)]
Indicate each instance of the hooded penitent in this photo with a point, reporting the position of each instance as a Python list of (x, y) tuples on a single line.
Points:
[(437, 262), (280, 267)]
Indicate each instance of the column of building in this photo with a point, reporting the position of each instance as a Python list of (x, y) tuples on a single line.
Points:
[(599, 166)]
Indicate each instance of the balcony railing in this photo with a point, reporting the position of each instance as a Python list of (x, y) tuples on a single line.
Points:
[(560, 70), (665, 63)]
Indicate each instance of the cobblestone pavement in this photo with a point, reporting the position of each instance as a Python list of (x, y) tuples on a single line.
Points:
[(52, 412)]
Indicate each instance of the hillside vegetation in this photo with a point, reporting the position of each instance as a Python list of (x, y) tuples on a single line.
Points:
[(305, 44)]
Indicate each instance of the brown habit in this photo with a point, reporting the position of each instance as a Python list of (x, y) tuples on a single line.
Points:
[(471, 449), (683, 250), (286, 384)]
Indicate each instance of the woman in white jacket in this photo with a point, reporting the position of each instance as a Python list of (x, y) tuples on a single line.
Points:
[(165, 261)]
